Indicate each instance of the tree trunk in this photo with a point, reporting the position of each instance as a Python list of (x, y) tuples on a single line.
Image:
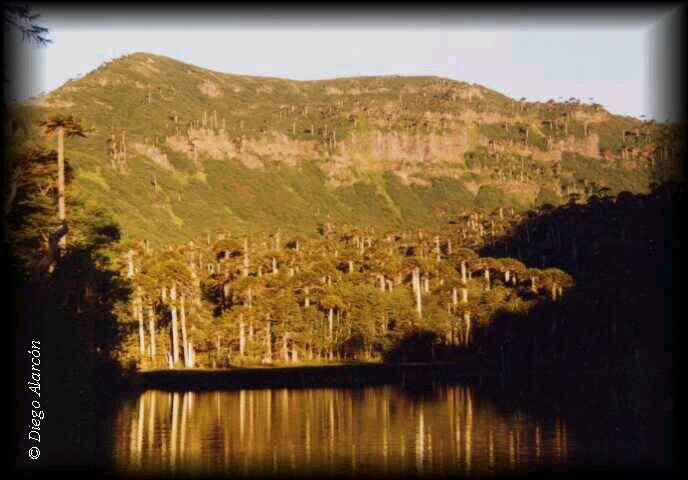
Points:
[(487, 280), (417, 288), (151, 331), (285, 348), (130, 263), (467, 319), (61, 205), (330, 320), (14, 186), (218, 353), (268, 342), (294, 353), (463, 272), (175, 333), (242, 337), (183, 322), (142, 330), (464, 295), (124, 146)]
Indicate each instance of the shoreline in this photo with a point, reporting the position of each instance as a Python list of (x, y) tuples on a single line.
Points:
[(357, 374), (306, 376)]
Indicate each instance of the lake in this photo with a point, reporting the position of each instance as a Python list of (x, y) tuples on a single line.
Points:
[(375, 430)]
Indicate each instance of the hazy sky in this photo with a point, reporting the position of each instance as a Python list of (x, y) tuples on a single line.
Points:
[(537, 61)]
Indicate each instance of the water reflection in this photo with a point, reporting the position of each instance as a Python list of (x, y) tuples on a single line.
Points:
[(381, 429)]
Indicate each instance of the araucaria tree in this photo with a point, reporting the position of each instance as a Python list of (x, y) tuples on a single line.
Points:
[(59, 127)]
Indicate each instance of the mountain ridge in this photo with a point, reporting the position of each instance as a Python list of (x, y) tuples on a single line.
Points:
[(171, 142)]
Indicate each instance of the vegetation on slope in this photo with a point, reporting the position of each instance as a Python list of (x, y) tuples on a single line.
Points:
[(176, 150)]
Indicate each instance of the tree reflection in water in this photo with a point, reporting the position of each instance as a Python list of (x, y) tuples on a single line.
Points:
[(382, 430)]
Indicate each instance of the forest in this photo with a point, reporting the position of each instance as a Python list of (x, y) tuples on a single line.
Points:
[(352, 294), (484, 281), (586, 285)]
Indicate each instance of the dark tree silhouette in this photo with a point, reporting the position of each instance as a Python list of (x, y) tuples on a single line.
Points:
[(22, 18)]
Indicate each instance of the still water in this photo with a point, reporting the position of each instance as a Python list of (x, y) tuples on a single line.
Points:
[(372, 430)]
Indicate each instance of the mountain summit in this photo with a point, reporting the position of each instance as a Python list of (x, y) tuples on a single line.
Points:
[(176, 150)]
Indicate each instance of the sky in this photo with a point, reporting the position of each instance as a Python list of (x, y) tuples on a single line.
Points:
[(607, 61)]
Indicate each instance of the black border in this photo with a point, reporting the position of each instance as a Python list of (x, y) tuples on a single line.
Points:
[(671, 74)]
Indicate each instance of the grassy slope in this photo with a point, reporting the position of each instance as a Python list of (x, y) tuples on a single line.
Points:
[(228, 195)]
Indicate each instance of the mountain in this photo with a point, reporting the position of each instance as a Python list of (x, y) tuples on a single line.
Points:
[(175, 150)]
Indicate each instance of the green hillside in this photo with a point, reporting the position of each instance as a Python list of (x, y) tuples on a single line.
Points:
[(175, 150)]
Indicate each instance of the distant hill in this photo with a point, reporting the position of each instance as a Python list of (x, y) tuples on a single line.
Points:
[(177, 150)]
